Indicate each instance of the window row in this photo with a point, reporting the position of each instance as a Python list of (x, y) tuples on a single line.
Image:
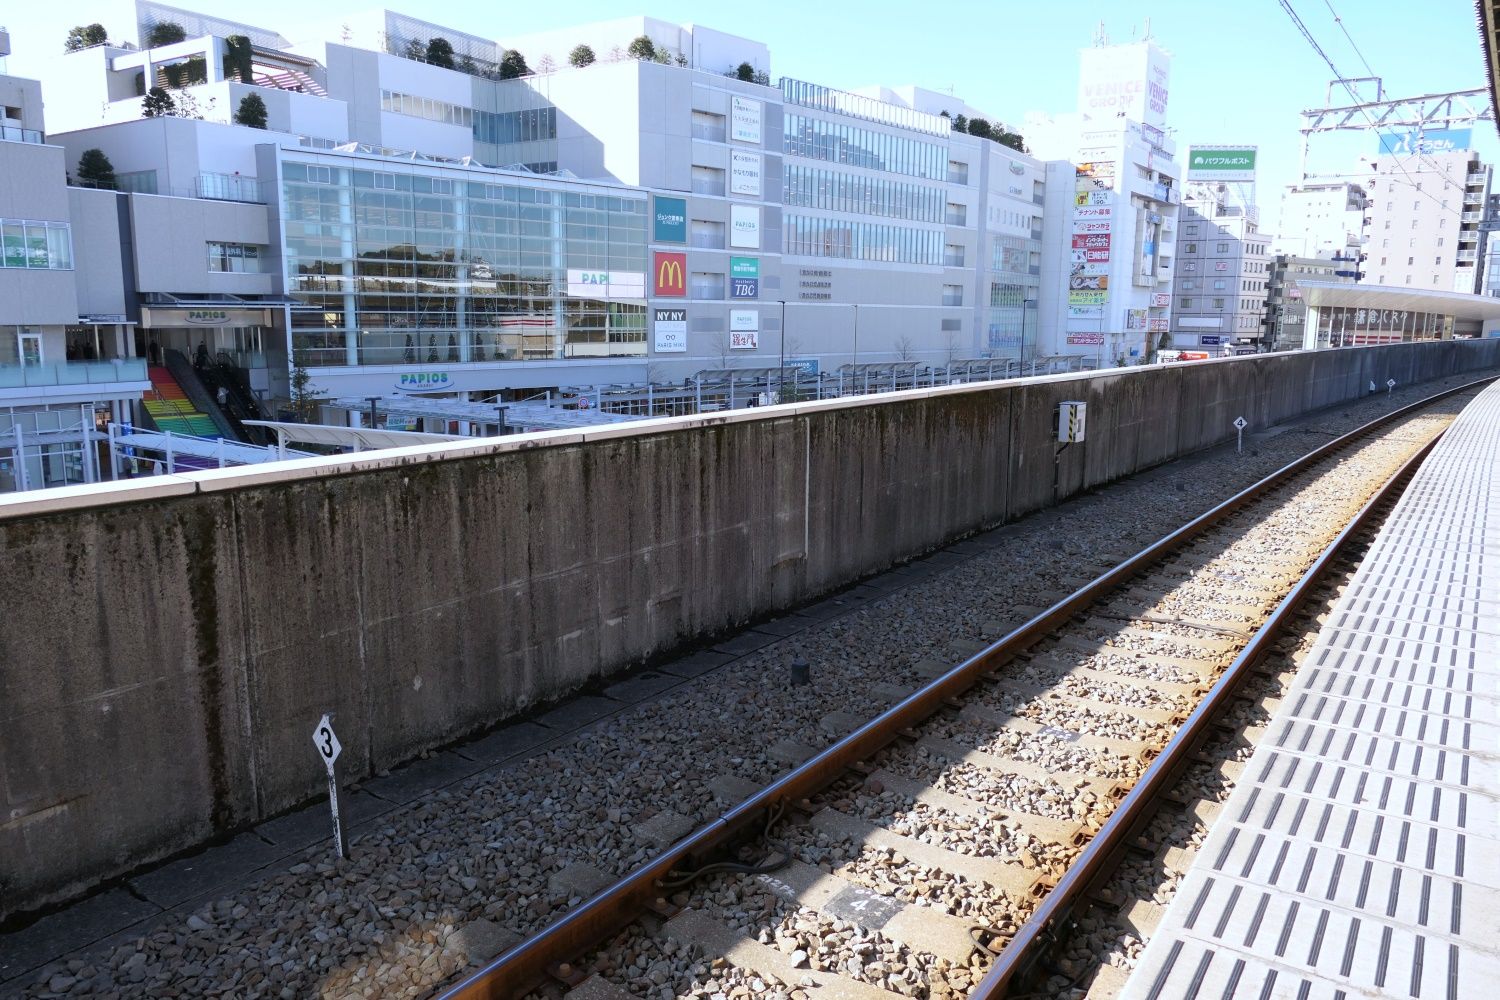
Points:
[(426, 107), (815, 237), (836, 142), (421, 183), (531, 125), (836, 191), (38, 245)]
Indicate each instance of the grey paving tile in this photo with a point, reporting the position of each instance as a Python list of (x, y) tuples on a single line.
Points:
[(745, 642), (830, 607), (359, 808), (298, 830), (642, 687), (422, 776), (696, 664), (79, 925), (505, 743), (790, 625), (578, 712), (187, 877)]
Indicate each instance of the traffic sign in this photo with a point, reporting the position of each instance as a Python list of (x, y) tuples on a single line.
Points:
[(1240, 423), (327, 743)]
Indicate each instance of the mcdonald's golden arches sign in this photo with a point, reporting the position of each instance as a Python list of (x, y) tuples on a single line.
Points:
[(671, 274)]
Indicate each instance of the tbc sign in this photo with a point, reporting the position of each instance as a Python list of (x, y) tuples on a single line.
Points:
[(671, 274)]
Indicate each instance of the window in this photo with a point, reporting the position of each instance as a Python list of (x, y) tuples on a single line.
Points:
[(1410, 261), (1440, 241), (708, 126), (1190, 230), (1434, 279), (1385, 243), (1389, 206), (1218, 284), (1387, 223), (953, 295), (1416, 206), (1187, 303), (1223, 248), (235, 258), (1414, 223), (36, 245), (958, 215), (1190, 283), (1408, 279), (958, 173), (1437, 262), (953, 255), (706, 285), (1218, 303)]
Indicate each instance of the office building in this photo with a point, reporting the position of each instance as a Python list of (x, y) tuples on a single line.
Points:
[(1223, 261), (1285, 320)]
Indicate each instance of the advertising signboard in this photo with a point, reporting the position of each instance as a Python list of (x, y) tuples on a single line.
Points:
[(1086, 338), (670, 274), (1086, 304), (1160, 300), (1129, 80), (744, 267), (1210, 340), (1089, 282), (744, 288), (744, 319), (1135, 319), (744, 226), (1221, 163), (1091, 241), (670, 327), (744, 340), (669, 220), (744, 120), (744, 172), (1433, 140)]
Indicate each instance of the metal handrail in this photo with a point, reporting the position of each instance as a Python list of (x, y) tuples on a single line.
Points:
[(581, 929)]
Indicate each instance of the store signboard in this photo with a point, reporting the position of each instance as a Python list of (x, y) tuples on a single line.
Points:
[(670, 273), (744, 340), (744, 319), (744, 267), (670, 328), (744, 172), (744, 226), (1092, 339), (1433, 140), (614, 286), (744, 120), (669, 221)]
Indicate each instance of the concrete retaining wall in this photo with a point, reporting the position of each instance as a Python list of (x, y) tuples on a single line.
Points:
[(167, 645)]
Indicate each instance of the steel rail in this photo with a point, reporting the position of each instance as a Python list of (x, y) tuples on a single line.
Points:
[(614, 907), (1099, 859)]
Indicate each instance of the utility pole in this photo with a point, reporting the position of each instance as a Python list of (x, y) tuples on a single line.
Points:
[(781, 353)]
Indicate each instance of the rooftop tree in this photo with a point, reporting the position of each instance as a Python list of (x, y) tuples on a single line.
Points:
[(513, 65), (95, 170), (239, 58), (745, 72), (440, 52), (981, 127), (581, 56), (158, 104), (251, 112), (642, 47), (165, 33), (85, 36)]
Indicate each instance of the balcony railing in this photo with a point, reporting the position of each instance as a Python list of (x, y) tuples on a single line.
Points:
[(1478, 178), (707, 187), (10, 133), (953, 260), (1467, 256), (13, 376), (1473, 197), (958, 218), (713, 133), (1472, 217)]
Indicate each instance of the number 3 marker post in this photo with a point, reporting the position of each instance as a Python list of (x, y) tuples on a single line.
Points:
[(329, 749)]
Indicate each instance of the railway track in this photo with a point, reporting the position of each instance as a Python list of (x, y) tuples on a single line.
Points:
[(940, 848)]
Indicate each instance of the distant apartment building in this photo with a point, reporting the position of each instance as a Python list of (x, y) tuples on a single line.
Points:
[(1223, 260), (1425, 212), (1321, 220)]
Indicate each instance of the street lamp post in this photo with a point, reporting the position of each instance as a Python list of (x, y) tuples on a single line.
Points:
[(781, 353), (1025, 305), (856, 333)]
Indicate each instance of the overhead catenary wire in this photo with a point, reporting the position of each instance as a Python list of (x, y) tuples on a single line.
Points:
[(1370, 70), (1354, 99)]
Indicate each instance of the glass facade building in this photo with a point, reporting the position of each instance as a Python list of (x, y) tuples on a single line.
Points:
[(1013, 282), (420, 265)]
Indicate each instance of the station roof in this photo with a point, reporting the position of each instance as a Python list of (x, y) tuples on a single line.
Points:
[(1459, 305), (1488, 14)]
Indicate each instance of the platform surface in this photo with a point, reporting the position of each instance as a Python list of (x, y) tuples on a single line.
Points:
[(1359, 856)]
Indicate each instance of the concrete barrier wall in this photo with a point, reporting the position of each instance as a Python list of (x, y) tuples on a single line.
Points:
[(167, 645)]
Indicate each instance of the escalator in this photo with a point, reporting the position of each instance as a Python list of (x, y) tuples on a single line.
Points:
[(208, 383)]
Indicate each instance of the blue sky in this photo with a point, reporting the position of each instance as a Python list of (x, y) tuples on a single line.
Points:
[(1240, 72)]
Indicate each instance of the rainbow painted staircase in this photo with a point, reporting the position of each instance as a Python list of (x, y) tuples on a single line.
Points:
[(172, 410)]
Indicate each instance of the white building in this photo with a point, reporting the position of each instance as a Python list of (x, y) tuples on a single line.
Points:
[(1116, 209), (1322, 220), (1425, 213)]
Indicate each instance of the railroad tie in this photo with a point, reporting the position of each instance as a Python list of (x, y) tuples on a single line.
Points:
[(995, 719), (696, 928), (1045, 828), (598, 988), (1012, 879), (957, 753), (920, 928)]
